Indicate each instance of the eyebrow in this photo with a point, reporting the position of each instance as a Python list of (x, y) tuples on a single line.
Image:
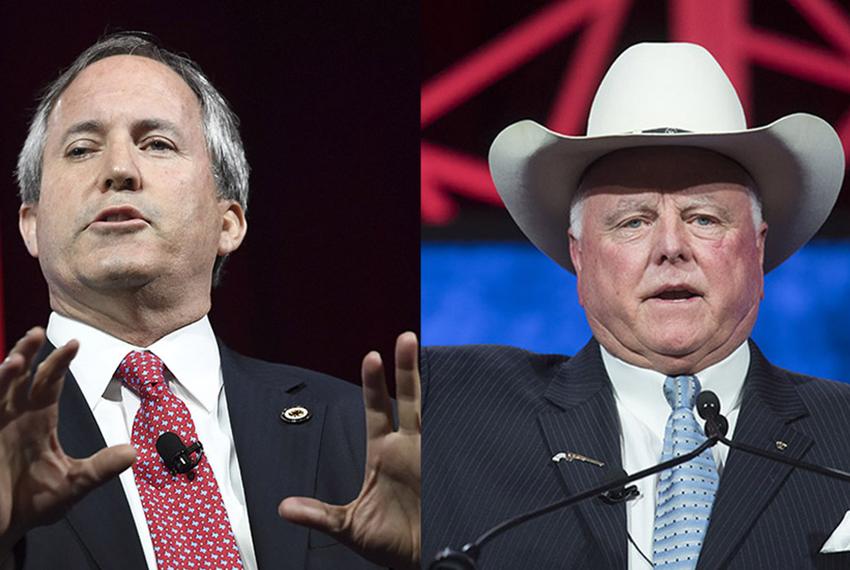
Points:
[(140, 126), (83, 127), (147, 125), (705, 201), (626, 205)]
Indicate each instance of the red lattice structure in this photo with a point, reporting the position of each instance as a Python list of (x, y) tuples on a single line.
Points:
[(722, 26)]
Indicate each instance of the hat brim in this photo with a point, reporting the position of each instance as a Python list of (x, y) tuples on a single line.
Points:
[(797, 163)]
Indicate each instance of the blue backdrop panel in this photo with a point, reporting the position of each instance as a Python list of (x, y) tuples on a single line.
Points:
[(512, 294)]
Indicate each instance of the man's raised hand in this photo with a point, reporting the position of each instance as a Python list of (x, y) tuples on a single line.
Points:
[(383, 522), (38, 482)]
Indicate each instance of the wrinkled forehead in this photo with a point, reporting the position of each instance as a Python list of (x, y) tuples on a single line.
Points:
[(663, 169), (126, 85)]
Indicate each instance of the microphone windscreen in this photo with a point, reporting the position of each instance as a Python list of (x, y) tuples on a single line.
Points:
[(708, 405), (168, 445)]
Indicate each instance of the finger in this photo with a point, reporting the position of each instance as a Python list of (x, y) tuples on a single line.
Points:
[(376, 397), (15, 370), (87, 474), (24, 351), (313, 513), (28, 345), (407, 392), (50, 375)]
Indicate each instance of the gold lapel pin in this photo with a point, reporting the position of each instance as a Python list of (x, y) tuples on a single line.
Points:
[(295, 415), (573, 456)]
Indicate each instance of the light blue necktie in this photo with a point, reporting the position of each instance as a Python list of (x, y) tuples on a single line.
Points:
[(686, 492)]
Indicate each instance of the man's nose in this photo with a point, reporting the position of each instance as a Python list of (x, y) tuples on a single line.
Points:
[(120, 171), (672, 243)]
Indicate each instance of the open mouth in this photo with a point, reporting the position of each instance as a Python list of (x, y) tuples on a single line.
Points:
[(119, 215), (675, 293)]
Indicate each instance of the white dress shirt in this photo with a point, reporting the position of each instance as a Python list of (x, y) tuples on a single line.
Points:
[(191, 355), (643, 411)]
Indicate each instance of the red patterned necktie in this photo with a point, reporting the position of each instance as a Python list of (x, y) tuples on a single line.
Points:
[(187, 519)]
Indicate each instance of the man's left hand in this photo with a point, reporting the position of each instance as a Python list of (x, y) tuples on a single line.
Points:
[(383, 522)]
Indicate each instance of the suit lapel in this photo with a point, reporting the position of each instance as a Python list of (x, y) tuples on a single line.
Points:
[(587, 424), (770, 404), (102, 520), (276, 459)]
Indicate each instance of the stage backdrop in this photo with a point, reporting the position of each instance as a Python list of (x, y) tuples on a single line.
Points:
[(328, 96), (489, 64)]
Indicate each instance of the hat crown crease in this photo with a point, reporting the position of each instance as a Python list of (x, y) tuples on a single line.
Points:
[(661, 84)]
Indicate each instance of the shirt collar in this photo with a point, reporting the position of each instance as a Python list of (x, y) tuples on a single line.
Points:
[(641, 390), (190, 353)]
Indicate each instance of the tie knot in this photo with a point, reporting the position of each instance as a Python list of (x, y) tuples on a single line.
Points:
[(681, 391), (143, 373)]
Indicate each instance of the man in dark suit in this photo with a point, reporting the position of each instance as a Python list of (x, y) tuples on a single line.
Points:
[(662, 212), (134, 187)]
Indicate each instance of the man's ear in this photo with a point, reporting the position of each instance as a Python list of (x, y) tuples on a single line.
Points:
[(575, 250), (27, 226), (575, 257), (234, 226)]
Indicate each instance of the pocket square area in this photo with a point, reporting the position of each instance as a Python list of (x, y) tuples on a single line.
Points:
[(839, 540)]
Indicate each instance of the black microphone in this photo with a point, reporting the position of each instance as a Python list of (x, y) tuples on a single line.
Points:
[(716, 427), (178, 457), (708, 407), (619, 494)]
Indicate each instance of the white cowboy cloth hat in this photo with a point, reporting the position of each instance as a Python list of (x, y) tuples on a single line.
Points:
[(671, 94)]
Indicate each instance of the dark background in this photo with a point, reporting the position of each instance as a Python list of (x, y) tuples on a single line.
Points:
[(328, 96)]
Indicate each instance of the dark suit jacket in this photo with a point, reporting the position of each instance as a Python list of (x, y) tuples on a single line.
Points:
[(494, 416), (322, 457)]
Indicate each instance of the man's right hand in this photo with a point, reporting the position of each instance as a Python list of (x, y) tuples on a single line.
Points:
[(38, 482)]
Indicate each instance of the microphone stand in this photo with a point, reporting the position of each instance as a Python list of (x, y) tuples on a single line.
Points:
[(828, 471), (465, 558), (716, 427)]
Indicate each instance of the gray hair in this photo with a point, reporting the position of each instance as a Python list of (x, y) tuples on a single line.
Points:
[(221, 125)]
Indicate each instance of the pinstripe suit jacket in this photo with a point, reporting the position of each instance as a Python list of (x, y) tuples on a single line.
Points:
[(494, 416)]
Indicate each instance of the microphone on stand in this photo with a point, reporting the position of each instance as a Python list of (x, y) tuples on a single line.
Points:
[(466, 558), (708, 407), (716, 427)]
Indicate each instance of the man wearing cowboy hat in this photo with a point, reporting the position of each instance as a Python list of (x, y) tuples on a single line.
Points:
[(662, 211)]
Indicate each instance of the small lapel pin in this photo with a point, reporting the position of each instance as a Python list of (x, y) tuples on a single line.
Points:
[(573, 456), (295, 415), (781, 445)]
